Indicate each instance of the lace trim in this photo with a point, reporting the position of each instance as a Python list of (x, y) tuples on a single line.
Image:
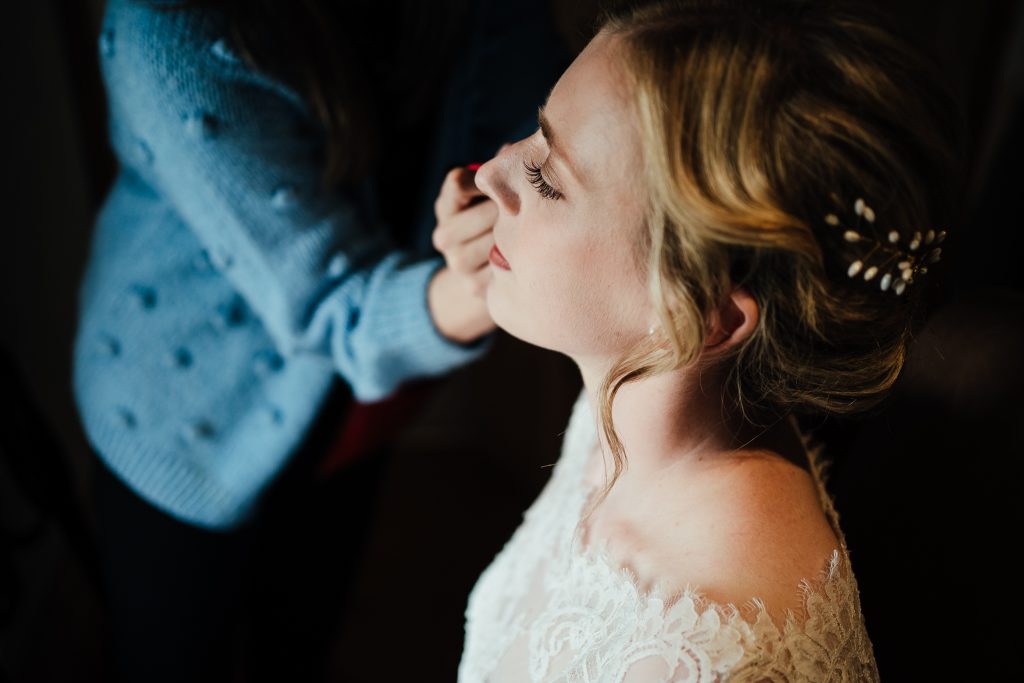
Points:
[(752, 611), (596, 607)]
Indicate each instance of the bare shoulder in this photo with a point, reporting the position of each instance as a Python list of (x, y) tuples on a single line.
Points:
[(753, 529)]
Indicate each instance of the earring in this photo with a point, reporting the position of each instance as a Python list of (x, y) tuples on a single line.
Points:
[(650, 330)]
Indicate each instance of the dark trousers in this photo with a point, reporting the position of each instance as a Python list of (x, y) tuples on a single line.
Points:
[(187, 604)]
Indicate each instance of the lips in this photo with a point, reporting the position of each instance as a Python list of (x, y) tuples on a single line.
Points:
[(498, 259)]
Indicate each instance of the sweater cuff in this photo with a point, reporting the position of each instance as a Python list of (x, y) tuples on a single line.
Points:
[(409, 345)]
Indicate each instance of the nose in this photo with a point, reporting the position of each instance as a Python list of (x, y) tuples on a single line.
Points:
[(493, 179)]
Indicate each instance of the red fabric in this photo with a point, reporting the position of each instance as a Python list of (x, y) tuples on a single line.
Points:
[(368, 426)]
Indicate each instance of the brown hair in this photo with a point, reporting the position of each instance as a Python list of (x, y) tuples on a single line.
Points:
[(363, 66), (757, 119)]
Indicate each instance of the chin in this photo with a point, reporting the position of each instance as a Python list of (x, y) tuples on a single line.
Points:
[(515, 321), (496, 307)]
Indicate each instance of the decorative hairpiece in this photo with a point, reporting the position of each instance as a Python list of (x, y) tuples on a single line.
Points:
[(909, 262)]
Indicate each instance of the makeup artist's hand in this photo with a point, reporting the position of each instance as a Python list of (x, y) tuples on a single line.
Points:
[(465, 218)]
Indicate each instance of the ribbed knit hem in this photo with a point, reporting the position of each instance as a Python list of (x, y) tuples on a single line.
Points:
[(170, 483), (216, 485)]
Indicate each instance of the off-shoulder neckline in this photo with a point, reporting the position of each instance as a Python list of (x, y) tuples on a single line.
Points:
[(753, 612)]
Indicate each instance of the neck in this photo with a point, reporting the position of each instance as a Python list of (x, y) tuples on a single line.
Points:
[(676, 420)]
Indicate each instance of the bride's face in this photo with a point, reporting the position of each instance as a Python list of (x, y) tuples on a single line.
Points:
[(570, 216)]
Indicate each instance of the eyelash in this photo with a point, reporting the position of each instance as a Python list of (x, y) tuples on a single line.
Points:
[(537, 180)]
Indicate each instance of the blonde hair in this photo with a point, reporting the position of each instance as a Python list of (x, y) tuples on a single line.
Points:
[(755, 118)]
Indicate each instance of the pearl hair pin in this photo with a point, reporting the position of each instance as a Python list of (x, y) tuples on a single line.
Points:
[(909, 263)]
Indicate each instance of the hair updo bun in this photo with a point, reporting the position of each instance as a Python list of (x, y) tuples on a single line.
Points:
[(758, 120)]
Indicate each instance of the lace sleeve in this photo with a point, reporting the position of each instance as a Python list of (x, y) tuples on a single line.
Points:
[(697, 640)]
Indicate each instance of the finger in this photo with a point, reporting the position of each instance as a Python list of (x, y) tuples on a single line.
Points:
[(473, 255), (481, 279), (466, 225), (457, 191), (471, 223)]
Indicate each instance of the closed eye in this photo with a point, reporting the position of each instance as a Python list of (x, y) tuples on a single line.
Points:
[(544, 189)]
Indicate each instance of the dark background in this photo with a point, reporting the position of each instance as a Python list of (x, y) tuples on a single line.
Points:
[(927, 491)]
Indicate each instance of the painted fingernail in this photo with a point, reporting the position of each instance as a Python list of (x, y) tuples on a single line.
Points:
[(473, 167)]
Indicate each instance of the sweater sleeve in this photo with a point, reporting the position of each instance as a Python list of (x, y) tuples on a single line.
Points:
[(239, 157)]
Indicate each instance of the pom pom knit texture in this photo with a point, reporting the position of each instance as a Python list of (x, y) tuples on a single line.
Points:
[(226, 291)]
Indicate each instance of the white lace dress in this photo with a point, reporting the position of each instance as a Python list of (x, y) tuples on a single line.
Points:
[(545, 610)]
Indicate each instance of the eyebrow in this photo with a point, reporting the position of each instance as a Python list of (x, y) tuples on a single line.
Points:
[(545, 127), (549, 136)]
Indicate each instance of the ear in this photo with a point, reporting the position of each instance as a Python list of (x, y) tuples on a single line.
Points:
[(733, 321)]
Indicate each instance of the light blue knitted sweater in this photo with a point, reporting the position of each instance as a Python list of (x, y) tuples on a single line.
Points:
[(225, 291)]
